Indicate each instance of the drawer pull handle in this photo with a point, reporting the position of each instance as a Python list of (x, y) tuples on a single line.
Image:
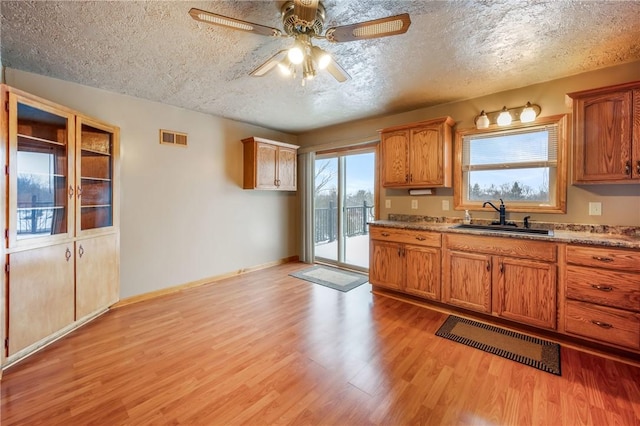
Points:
[(385, 234), (603, 259), (602, 324), (601, 287), (420, 238)]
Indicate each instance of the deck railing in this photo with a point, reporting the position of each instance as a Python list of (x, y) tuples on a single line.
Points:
[(355, 221)]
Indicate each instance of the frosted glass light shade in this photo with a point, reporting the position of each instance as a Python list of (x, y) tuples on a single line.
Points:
[(482, 122), (504, 119), (528, 114)]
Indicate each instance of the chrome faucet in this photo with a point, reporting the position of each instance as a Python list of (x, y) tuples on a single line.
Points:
[(502, 211)]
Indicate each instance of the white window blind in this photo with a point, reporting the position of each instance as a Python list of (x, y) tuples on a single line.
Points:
[(511, 149)]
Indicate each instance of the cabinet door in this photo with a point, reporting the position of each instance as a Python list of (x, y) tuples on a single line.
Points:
[(386, 266), (266, 163), (41, 141), (97, 274), (603, 137), (423, 271), (395, 160), (467, 281), (426, 156), (526, 291), (40, 294), (287, 159), (96, 156)]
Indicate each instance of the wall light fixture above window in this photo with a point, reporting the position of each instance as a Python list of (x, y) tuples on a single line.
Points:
[(504, 117)]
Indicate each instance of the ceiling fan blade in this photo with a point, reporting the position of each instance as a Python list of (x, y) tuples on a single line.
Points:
[(382, 27), (337, 71), (269, 64), (305, 10), (236, 24)]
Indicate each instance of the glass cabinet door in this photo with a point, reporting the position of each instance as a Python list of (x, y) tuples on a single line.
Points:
[(40, 170), (96, 146)]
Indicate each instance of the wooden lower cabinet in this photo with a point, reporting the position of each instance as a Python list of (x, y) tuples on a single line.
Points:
[(422, 265), (525, 291), (497, 276), (467, 282), (602, 295), (41, 294), (97, 274), (407, 261), (387, 265)]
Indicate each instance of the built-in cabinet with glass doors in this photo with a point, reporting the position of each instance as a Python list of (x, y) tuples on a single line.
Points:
[(62, 233)]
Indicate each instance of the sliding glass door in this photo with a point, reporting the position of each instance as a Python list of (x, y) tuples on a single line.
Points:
[(343, 204)]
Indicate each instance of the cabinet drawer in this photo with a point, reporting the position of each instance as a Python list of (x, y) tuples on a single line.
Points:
[(621, 260), (514, 247), (422, 238), (604, 287), (601, 323)]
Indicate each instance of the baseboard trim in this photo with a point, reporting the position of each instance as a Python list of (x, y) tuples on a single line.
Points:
[(175, 289)]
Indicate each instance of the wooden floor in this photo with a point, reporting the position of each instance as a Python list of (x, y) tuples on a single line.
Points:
[(266, 348)]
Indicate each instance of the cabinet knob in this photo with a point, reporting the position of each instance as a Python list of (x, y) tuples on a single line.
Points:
[(638, 167), (627, 168), (601, 287), (80, 251), (67, 254), (602, 324), (488, 265)]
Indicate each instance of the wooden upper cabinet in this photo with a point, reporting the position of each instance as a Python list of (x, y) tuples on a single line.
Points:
[(395, 158), (606, 137), (41, 171), (97, 156), (417, 155), (269, 165)]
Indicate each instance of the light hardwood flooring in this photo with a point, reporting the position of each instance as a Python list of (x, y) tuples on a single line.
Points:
[(266, 348)]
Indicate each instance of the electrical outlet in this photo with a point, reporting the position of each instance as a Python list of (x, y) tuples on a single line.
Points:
[(595, 209), (414, 204), (445, 204), (387, 204)]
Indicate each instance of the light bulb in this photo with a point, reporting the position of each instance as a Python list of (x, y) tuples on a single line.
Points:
[(285, 67), (296, 54), (482, 122), (504, 119), (322, 58), (528, 114)]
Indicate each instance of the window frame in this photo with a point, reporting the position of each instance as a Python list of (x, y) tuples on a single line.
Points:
[(560, 184)]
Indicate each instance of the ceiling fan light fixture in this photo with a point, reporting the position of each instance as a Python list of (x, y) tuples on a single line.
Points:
[(285, 67), (321, 57), (296, 53)]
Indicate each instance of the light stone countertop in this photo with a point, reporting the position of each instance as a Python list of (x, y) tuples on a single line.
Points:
[(619, 240)]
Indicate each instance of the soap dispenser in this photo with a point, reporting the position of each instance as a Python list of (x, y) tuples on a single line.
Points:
[(467, 217)]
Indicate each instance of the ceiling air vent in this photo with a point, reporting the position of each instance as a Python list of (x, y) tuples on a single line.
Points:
[(170, 137)]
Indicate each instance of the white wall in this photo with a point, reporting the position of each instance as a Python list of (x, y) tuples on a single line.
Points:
[(184, 214), (620, 202)]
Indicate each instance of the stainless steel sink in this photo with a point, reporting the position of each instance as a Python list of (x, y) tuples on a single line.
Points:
[(505, 229)]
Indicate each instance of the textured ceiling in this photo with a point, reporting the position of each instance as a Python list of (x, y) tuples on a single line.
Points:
[(453, 50)]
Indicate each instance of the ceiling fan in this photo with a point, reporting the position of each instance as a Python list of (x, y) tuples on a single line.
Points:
[(303, 20)]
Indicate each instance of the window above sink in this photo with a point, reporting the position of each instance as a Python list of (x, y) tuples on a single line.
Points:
[(523, 164)]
